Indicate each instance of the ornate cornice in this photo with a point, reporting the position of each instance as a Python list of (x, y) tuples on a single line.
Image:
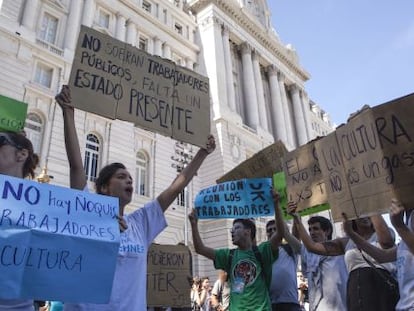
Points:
[(232, 9)]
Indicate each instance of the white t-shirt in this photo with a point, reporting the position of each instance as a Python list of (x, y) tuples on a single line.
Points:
[(129, 286), (327, 278), (405, 273), (16, 305), (284, 285)]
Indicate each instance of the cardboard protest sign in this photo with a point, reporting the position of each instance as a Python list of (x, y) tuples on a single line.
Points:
[(370, 160), (279, 184), (169, 270), (118, 81), (56, 243), (12, 114), (246, 198), (304, 179), (263, 164)]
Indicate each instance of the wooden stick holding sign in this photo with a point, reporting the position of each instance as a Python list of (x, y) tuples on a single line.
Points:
[(118, 81)]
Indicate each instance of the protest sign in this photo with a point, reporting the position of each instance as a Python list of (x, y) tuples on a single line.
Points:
[(370, 160), (169, 271), (118, 81), (304, 180), (279, 184), (12, 114), (56, 243), (246, 198), (263, 164)]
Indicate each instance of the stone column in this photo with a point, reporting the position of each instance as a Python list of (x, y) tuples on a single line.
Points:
[(289, 128), (249, 86), (131, 35), (211, 37), (29, 14), (298, 115), (71, 32), (277, 105), (231, 97), (120, 27), (166, 51), (306, 114), (157, 46), (88, 13), (189, 64), (261, 105)]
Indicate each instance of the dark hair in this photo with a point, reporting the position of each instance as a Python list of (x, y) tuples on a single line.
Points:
[(355, 226), (22, 142), (247, 224), (325, 223), (105, 174), (270, 222)]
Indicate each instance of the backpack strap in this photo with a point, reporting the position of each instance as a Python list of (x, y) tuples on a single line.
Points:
[(230, 261), (258, 256)]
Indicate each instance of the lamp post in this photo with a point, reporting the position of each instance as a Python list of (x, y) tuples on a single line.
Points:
[(43, 177), (183, 154)]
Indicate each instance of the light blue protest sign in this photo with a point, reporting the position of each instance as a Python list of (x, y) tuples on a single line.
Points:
[(245, 198), (56, 243)]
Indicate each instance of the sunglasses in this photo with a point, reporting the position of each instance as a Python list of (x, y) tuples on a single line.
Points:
[(270, 230), (6, 140)]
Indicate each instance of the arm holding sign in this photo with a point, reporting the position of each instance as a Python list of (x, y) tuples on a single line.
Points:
[(199, 246), (276, 238), (169, 195), (320, 242), (379, 254), (385, 238), (77, 173), (291, 239), (396, 216)]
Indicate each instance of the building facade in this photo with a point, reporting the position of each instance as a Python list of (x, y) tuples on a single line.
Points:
[(257, 91)]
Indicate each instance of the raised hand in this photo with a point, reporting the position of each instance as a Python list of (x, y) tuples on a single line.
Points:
[(210, 145)]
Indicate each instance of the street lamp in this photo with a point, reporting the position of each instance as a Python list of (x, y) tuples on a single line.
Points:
[(183, 154), (43, 177)]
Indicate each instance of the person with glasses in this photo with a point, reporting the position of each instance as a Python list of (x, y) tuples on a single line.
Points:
[(248, 266), (284, 287), (139, 228), (17, 159)]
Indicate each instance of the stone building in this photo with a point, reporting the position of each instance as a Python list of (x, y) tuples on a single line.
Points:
[(257, 91)]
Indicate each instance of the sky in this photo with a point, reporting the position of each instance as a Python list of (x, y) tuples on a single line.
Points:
[(357, 51)]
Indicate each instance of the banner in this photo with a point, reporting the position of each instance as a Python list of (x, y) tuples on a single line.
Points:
[(118, 81), (263, 164), (56, 243), (168, 276), (12, 114), (246, 198), (304, 179), (279, 184), (370, 160)]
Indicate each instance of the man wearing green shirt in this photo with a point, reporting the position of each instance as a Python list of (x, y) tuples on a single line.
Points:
[(249, 266)]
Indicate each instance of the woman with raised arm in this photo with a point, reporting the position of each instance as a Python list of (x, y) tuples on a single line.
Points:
[(403, 254), (139, 228), (365, 288), (17, 159)]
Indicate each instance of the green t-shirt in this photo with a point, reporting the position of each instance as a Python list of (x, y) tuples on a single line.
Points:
[(249, 291)]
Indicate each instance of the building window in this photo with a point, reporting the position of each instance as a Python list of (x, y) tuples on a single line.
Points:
[(91, 157), (143, 44), (43, 75), (103, 19), (141, 174), (178, 28), (181, 197), (146, 6), (48, 28), (34, 130)]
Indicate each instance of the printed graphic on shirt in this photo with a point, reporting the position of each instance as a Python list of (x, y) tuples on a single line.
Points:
[(130, 247), (246, 270)]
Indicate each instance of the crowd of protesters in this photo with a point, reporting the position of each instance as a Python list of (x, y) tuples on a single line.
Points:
[(362, 271)]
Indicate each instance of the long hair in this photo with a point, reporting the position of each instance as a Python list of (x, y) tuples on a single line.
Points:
[(22, 142)]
